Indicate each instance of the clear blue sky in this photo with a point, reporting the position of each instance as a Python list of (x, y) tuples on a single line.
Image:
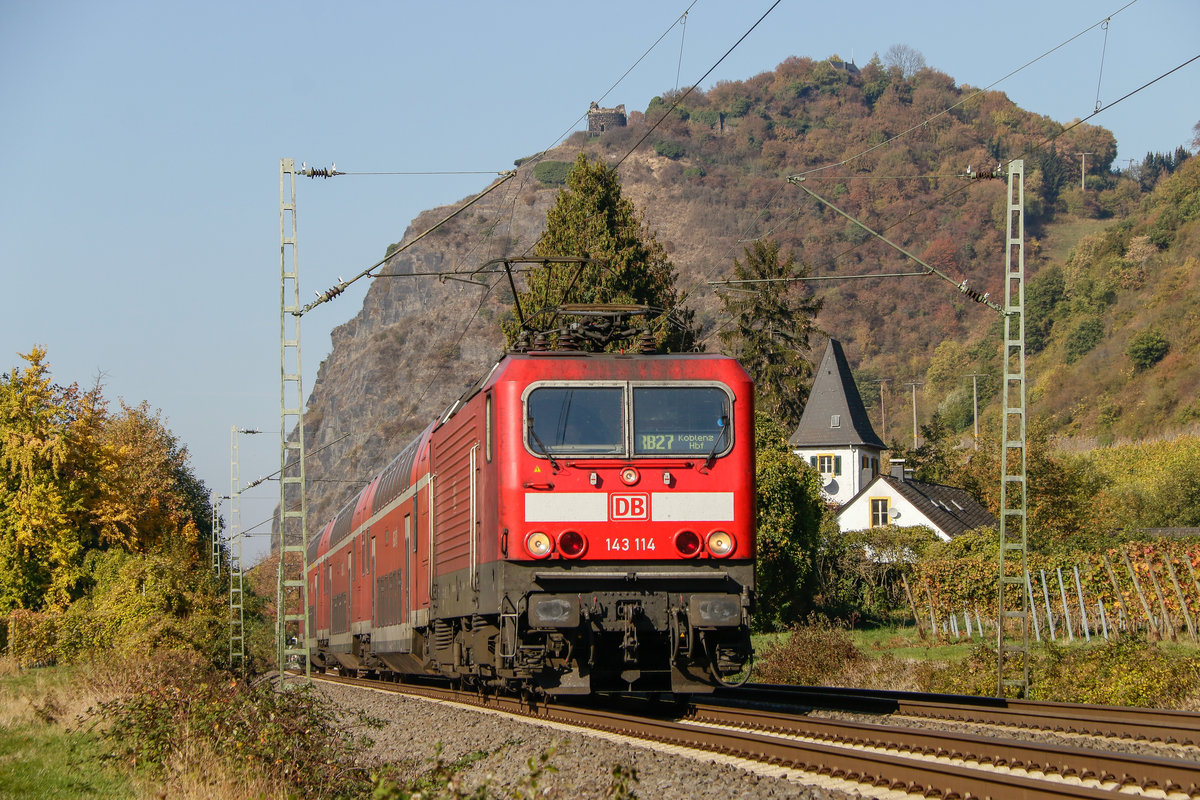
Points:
[(139, 197)]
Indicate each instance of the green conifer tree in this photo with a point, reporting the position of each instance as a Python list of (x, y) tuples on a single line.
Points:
[(592, 219), (771, 325)]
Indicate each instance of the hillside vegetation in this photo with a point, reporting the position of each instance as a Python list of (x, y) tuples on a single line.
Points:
[(1110, 266)]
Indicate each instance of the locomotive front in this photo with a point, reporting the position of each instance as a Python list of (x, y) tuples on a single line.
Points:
[(626, 516)]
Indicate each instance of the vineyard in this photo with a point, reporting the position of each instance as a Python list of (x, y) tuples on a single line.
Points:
[(1152, 587)]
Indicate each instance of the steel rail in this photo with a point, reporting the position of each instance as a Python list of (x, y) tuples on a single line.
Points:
[(1124, 769), (1167, 726), (921, 772)]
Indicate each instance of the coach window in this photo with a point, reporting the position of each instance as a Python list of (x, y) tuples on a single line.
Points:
[(686, 420), (487, 433), (574, 421)]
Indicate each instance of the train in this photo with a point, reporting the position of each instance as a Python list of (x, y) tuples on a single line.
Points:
[(574, 523)]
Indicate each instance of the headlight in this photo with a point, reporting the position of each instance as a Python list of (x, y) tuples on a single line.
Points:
[(553, 611), (720, 544), (715, 610), (538, 544)]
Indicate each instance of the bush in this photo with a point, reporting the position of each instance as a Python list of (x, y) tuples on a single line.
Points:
[(177, 715), (668, 149), (32, 638), (552, 173), (1126, 671), (809, 655), (1086, 335), (1147, 348)]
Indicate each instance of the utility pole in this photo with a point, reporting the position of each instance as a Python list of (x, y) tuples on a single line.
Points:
[(1083, 169), (291, 592), (215, 502), (1012, 618), (237, 618), (975, 376), (914, 385), (882, 410)]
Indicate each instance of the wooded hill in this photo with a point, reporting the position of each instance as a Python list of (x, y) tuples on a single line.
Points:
[(1112, 267)]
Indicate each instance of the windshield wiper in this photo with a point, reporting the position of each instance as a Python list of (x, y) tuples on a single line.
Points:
[(712, 454), (538, 440)]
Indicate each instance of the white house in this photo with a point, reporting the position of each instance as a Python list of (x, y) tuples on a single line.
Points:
[(897, 499), (834, 435)]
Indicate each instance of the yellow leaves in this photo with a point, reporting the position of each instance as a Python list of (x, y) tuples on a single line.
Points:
[(73, 478)]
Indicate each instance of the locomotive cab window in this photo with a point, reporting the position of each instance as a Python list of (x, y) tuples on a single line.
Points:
[(688, 420), (575, 421)]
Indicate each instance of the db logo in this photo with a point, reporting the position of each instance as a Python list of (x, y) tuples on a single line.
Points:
[(629, 506)]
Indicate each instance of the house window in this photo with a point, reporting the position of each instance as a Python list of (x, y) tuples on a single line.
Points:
[(879, 512), (829, 464), (835, 421)]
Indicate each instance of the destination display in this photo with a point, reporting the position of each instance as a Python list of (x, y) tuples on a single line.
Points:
[(679, 442)]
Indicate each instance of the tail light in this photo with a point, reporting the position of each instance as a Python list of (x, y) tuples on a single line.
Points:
[(720, 544), (538, 544), (687, 543), (571, 544)]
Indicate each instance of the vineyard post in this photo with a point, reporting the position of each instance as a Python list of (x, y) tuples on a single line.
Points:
[(1151, 619), (1083, 620), (1119, 598), (1037, 629), (1049, 611), (912, 604), (1183, 606), (1062, 591), (1195, 582), (1168, 623), (1103, 621), (932, 616)]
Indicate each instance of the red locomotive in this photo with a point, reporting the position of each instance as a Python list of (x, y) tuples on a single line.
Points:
[(575, 522)]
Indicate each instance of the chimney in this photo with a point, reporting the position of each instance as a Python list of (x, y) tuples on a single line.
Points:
[(897, 468)]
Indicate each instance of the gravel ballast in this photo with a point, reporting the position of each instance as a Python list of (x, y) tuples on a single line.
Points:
[(500, 748)]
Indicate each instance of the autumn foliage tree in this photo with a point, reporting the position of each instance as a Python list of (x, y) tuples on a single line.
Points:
[(592, 219), (75, 479)]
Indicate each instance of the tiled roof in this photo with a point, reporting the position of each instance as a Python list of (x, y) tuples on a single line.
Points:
[(951, 509), (834, 394)]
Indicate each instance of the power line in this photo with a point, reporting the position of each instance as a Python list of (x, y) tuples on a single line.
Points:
[(342, 285), (692, 88), (969, 97)]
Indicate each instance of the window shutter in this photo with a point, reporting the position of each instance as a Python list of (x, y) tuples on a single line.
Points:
[(837, 465), (813, 460)]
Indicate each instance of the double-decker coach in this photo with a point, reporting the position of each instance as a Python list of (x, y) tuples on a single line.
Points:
[(575, 522)]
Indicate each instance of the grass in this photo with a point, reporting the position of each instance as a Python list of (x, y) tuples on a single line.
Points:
[(41, 759), (44, 751), (1127, 671), (900, 642), (905, 643), (1062, 237)]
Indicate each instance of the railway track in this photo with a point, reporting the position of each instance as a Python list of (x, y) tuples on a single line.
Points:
[(1112, 722), (879, 756)]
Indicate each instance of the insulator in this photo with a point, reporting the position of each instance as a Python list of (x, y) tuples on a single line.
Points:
[(568, 340), (646, 343), (320, 172)]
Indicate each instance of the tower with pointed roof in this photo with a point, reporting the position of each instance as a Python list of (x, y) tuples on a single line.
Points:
[(835, 435)]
